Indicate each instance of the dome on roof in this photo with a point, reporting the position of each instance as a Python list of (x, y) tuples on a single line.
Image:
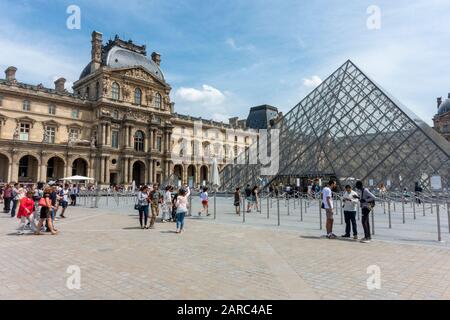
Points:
[(444, 107), (118, 57), (122, 58)]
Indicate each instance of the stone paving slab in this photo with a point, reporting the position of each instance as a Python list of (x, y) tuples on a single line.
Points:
[(211, 260)]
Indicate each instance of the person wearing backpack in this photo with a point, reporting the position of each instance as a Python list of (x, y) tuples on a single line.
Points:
[(45, 215), (367, 200), (15, 199)]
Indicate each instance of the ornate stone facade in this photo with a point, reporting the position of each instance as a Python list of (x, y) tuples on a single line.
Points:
[(442, 118), (118, 126)]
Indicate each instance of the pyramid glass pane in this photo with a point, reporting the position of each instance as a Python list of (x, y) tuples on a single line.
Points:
[(350, 128)]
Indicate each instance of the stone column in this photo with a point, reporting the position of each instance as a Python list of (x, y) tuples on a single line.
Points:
[(101, 177), (125, 170), (185, 174), (107, 173), (154, 171), (9, 176), (146, 143), (109, 134), (68, 168), (150, 171), (150, 140), (130, 137), (42, 172), (154, 139), (126, 137)]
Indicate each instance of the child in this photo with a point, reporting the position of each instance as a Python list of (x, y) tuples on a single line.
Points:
[(182, 205), (237, 201), (26, 208), (204, 199)]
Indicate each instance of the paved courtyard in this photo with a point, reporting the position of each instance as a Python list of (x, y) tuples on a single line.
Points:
[(222, 259)]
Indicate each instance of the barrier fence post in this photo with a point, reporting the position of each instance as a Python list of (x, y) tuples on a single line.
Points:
[(268, 209), (384, 207), (190, 204), (301, 209), (341, 205), (423, 204), (289, 206), (389, 212), (359, 213), (403, 212), (373, 221), (414, 210), (438, 223), (448, 216), (215, 206), (320, 214), (278, 209)]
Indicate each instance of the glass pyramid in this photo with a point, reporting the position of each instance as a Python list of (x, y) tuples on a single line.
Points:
[(349, 128)]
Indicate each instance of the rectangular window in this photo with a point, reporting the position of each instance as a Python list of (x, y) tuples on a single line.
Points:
[(26, 105), (50, 134), (206, 134), (115, 139), (24, 131), (51, 109), (159, 144), (115, 114), (74, 134), (75, 113)]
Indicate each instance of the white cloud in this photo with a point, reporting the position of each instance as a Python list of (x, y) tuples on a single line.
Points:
[(206, 96), (37, 61), (232, 44), (312, 82)]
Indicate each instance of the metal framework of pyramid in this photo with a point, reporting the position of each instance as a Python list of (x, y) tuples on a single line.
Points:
[(350, 128)]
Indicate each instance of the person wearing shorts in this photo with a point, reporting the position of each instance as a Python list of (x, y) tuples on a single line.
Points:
[(327, 204), (204, 199), (64, 200)]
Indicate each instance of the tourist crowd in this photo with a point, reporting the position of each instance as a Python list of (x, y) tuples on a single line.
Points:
[(36, 206)]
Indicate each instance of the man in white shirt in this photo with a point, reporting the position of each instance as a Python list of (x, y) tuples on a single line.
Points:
[(327, 204), (351, 200)]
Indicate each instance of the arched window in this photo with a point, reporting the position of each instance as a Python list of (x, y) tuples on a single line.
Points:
[(139, 141), (115, 91), (137, 96), (88, 93), (158, 101)]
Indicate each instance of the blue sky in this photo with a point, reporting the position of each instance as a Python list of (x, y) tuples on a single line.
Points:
[(222, 57)]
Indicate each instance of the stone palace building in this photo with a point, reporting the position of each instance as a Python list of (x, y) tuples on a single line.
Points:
[(442, 118), (117, 126)]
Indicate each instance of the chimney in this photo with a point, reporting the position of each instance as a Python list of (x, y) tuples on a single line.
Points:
[(11, 74), (96, 51), (233, 121), (59, 85), (439, 102), (156, 57)]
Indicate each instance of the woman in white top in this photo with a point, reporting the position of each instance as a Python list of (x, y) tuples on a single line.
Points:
[(204, 200), (182, 205), (351, 200), (143, 204), (167, 204)]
